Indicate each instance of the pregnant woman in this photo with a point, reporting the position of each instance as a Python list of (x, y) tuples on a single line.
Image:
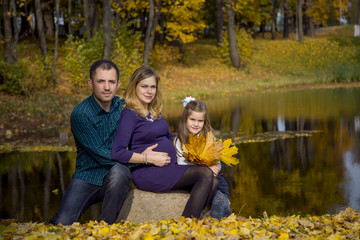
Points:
[(141, 126)]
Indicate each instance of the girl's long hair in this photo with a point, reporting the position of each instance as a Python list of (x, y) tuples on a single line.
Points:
[(132, 100), (193, 106)]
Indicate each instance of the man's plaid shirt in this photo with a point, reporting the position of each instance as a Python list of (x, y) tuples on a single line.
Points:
[(94, 131)]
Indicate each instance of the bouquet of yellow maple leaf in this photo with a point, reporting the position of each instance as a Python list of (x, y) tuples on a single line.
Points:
[(205, 151)]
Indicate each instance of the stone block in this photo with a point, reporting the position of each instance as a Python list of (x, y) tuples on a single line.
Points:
[(141, 206)]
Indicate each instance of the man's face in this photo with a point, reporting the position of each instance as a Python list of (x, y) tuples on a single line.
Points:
[(104, 87)]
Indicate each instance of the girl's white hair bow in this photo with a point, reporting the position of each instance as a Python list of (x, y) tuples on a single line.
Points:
[(186, 100)]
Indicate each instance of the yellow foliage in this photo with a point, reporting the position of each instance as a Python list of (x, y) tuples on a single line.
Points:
[(245, 45), (205, 151), (343, 225), (227, 153), (184, 20)]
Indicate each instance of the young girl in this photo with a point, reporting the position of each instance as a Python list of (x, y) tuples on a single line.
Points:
[(142, 126), (195, 119)]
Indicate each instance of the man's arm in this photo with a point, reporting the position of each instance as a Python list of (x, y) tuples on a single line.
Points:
[(87, 137)]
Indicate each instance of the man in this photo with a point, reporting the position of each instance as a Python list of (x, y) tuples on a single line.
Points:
[(97, 177)]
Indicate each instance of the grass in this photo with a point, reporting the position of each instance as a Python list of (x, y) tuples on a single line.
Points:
[(332, 57)]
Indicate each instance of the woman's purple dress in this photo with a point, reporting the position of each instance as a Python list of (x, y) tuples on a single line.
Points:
[(135, 134)]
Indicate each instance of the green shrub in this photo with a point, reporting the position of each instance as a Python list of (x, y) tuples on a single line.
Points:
[(127, 53), (345, 73), (81, 53), (245, 45), (12, 76)]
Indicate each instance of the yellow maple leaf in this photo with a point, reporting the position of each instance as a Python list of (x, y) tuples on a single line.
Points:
[(227, 153), (205, 151), (202, 150)]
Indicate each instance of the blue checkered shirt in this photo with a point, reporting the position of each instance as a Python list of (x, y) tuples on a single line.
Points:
[(94, 131)]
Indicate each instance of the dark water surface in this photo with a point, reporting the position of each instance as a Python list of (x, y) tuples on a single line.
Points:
[(298, 150)]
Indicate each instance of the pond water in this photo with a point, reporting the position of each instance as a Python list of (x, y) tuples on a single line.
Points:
[(298, 151)]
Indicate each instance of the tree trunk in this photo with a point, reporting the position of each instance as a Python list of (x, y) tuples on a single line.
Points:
[(234, 54), (61, 173), (300, 32), (16, 30), (142, 17), (57, 7), (48, 17), (148, 33), (26, 27), (107, 28), (87, 19), (309, 28), (70, 31), (273, 20), (12, 178), (312, 28), (358, 20), (7, 32), (1, 35), (91, 17), (286, 19), (40, 27), (47, 190), (262, 29), (22, 194), (219, 21), (30, 23), (181, 48), (94, 20), (155, 23)]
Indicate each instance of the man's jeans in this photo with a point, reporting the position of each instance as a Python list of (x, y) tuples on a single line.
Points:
[(80, 195)]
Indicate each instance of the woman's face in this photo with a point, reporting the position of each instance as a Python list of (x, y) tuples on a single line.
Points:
[(146, 90)]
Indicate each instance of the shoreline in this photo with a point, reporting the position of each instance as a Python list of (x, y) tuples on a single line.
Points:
[(35, 140)]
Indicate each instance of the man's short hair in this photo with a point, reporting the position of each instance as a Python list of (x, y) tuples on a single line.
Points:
[(105, 65)]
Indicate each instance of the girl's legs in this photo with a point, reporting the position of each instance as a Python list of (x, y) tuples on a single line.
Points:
[(220, 206), (204, 185)]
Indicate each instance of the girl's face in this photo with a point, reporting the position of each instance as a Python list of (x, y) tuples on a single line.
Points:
[(195, 122), (146, 91)]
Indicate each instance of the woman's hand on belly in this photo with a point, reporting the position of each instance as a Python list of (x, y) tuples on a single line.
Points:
[(158, 159)]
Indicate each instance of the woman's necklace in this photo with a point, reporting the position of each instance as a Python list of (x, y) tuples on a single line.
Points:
[(150, 118)]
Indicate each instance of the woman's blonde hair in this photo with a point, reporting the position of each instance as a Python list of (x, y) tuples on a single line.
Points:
[(132, 100), (193, 106)]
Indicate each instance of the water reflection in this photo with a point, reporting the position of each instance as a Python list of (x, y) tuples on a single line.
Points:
[(352, 184), (279, 172)]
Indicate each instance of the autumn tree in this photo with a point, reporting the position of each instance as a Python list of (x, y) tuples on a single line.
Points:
[(286, 19), (273, 19), (234, 54), (148, 32), (320, 10), (184, 21), (57, 10), (90, 17), (252, 12), (309, 28), (7, 32), (16, 30), (47, 9), (69, 12), (107, 19), (154, 25), (299, 19), (219, 21), (40, 27)]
